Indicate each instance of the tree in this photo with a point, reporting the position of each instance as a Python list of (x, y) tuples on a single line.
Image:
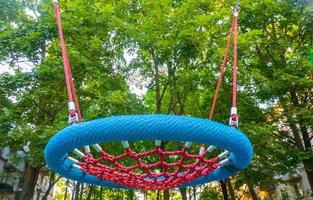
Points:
[(281, 69)]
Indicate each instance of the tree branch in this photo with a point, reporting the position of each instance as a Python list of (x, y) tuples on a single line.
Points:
[(285, 137), (163, 91), (43, 109)]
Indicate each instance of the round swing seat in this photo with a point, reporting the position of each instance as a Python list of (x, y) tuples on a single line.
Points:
[(160, 175)]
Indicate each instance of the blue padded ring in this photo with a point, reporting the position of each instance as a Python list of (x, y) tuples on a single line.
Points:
[(147, 127)]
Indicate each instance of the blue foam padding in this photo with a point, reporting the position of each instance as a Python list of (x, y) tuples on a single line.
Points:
[(147, 127)]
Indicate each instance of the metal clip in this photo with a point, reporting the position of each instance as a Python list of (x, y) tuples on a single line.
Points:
[(233, 120), (236, 9), (72, 119)]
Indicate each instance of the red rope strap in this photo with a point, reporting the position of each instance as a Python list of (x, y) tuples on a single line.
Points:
[(161, 175), (64, 53), (73, 108), (220, 78), (233, 115), (233, 121), (222, 70), (235, 63)]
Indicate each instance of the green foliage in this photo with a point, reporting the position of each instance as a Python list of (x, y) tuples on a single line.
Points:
[(210, 193)]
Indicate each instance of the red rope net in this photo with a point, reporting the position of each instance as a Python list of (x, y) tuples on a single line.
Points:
[(160, 175)]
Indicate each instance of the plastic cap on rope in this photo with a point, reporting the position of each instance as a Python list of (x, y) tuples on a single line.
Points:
[(73, 117), (233, 120)]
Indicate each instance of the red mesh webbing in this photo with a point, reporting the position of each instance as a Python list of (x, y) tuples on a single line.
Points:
[(150, 179)]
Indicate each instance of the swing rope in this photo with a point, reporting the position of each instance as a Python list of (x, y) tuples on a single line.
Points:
[(233, 121), (222, 71), (73, 105)]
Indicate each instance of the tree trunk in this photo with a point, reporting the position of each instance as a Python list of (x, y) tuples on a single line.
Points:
[(224, 189), (251, 189), (101, 193), (292, 124), (77, 191), (303, 144), (90, 193), (305, 134), (171, 83), (230, 189), (309, 172), (158, 195), (52, 182), (295, 132), (183, 193), (166, 195), (81, 192), (194, 189), (65, 193), (95, 193), (157, 82), (73, 192), (30, 180), (307, 144)]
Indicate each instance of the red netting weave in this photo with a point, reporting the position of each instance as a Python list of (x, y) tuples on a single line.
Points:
[(150, 179)]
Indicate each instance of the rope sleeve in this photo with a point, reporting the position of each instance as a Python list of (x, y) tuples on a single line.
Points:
[(64, 53), (74, 92)]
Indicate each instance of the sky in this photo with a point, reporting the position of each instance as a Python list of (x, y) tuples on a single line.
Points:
[(135, 82), (5, 68), (25, 67)]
